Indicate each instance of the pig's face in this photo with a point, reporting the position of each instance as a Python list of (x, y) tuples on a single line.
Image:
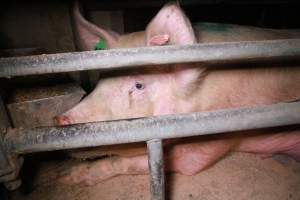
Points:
[(139, 92), (127, 96)]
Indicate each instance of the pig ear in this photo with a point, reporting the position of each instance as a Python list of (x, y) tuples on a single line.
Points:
[(87, 35), (170, 26)]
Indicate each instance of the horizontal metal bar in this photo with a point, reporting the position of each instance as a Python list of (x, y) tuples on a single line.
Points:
[(156, 169), (144, 129), (116, 58)]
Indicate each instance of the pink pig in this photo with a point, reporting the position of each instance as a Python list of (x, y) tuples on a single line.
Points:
[(180, 88)]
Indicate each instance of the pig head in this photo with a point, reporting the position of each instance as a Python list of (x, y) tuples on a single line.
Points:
[(139, 93)]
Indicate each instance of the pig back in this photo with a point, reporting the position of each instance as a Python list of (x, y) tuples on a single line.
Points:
[(250, 85), (216, 32)]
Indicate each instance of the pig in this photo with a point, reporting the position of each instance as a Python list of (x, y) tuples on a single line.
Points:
[(180, 88)]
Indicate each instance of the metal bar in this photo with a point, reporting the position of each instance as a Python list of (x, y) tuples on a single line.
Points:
[(161, 127), (116, 58), (156, 169)]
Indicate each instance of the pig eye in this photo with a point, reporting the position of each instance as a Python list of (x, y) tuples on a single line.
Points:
[(139, 86)]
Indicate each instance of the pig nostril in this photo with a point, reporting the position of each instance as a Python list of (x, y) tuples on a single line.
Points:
[(62, 120)]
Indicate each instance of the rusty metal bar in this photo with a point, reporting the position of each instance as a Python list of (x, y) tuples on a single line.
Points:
[(116, 58), (156, 169), (161, 127)]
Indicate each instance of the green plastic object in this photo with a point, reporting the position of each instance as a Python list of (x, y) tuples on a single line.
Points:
[(100, 45)]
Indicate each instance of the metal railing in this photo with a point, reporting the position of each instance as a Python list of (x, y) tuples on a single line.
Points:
[(106, 59), (161, 127), (154, 129)]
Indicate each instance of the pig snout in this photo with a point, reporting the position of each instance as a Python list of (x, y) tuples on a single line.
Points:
[(80, 113)]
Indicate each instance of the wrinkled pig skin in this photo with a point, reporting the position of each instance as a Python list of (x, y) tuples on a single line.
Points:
[(181, 88)]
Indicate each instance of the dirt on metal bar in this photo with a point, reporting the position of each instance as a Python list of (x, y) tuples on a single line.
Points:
[(119, 58), (160, 127)]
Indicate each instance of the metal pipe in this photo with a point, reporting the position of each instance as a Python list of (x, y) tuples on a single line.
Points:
[(156, 169), (144, 129), (116, 58)]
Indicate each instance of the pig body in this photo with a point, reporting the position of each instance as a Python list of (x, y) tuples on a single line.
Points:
[(181, 88)]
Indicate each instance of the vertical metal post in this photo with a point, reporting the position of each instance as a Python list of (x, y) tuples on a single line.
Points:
[(156, 169), (9, 166), (4, 123)]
